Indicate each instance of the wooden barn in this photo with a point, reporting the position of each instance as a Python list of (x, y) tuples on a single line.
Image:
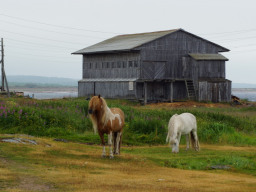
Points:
[(157, 66)]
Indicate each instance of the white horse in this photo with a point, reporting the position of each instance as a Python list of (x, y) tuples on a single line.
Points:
[(183, 124)]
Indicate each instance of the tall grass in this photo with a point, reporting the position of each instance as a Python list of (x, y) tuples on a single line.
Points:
[(44, 117), (67, 118)]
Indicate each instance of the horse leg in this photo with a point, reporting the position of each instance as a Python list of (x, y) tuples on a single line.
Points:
[(118, 140), (197, 148), (114, 140), (178, 144), (103, 144), (110, 137), (187, 141)]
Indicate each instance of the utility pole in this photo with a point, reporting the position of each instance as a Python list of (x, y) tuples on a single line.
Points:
[(2, 61), (4, 79)]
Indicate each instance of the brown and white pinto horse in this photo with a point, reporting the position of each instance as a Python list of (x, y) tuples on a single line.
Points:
[(106, 120)]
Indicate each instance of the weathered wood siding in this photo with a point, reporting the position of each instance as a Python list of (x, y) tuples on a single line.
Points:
[(115, 65), (107, 89), (215, 91), (160, 60), (85, 89), (171, 49)]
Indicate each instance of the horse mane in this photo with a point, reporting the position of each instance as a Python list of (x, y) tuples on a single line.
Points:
[(94, 123), (171, 126), (105, 112), (93, 117), (104, 117)]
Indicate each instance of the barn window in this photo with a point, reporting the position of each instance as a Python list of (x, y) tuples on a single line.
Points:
[(108, 65), (124, 64), (130, 64), (119, 64), (90, 65), (113, 64), (135, 63)]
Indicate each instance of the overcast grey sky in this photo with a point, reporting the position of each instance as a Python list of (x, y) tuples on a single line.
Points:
[(40, 35)]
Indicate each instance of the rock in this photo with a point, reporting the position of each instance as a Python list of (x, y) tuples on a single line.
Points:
[(19, 140), (61, 140), (220, 167)]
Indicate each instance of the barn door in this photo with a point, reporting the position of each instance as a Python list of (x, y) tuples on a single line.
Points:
[(215, 92), (153, 70)]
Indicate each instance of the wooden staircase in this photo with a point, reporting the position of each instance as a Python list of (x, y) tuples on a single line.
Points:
[(190, 89)]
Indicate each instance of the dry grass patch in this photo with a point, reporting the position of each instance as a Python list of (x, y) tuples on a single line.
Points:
[(76, 167)]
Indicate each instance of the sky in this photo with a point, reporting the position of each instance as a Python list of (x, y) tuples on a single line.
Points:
[(40, 35)]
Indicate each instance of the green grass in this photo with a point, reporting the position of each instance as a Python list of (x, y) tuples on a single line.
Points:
[(238, 161), (68, 119)]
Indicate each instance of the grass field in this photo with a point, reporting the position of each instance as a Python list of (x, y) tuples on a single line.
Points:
[(227, 136), (58, 166)]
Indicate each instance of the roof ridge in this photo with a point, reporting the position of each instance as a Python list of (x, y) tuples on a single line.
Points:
[(171, 30)]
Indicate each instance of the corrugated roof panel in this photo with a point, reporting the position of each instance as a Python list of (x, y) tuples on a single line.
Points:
[(200, 56), (124, 42)]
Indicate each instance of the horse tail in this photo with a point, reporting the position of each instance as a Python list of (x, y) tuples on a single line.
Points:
[(192, 138), (194, 141), (198, 145)]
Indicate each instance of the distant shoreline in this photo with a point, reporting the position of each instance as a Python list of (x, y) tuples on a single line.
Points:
[(244, 89), (44, 89)]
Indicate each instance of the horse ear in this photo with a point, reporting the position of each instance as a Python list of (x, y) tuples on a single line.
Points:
[(99, 96)]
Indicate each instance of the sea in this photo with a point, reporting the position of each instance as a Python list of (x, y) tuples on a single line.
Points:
[(243, 93), (51, 94)]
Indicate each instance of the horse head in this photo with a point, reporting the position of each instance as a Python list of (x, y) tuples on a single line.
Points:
[(95, 105), (175, 145)]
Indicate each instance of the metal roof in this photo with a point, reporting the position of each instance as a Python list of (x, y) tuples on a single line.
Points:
[(124, 42), (200, 56), (107, 80), (131, 41)]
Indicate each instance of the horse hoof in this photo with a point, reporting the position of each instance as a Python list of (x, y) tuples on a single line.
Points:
[(103, 156), (111, 157)]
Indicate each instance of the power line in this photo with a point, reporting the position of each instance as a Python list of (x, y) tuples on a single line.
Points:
[(31, 36), (28, 20), (41, 29), (227, 40), (230, 32), (41, 55), (16, 40), (112, 46), (53, 25), (35, 48), (42, 58)]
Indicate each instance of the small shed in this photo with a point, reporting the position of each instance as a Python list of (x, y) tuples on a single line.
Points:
[(156, 66)]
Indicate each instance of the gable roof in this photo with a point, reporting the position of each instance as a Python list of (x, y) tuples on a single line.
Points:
[(124, 42), (130, 41)]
